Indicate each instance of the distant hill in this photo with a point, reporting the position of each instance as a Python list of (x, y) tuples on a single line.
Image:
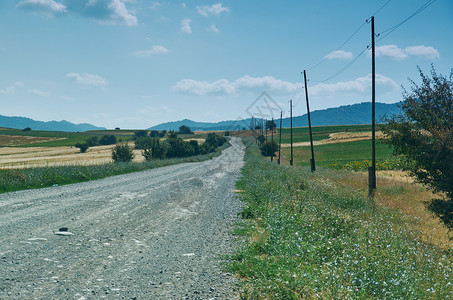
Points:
[(22, 122), (344, 115)]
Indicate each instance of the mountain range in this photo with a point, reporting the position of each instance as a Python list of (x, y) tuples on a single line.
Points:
[(354, 114), (22, 122)]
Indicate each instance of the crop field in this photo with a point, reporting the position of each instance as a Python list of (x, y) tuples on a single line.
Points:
[(26, 149)]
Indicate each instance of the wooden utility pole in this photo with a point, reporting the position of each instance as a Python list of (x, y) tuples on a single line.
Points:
[(272, 140), (280, 137), (312, 160), (291, 117), (372, 169)]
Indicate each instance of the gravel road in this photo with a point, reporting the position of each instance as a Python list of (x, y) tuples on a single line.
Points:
[(156, 234)]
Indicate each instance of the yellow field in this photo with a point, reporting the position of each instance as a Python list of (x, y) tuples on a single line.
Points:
[(15, 157)]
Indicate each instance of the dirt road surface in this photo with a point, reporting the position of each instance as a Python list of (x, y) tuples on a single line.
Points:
[(156, 234)]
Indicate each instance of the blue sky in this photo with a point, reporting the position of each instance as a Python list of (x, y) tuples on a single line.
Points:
[(137, 63)]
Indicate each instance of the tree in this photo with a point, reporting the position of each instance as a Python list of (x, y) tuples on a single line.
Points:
[(26, 129), (108, 139), (185, 130), (270, 125), (92, 141), (269, 148), (82, 146), (140, 133), (122, 153), (423, 133), (154, 133)]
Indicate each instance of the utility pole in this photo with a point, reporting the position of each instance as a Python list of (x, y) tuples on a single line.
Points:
[(312, 160), (280, 137), (372, 169), (272, 140), (291, 117)]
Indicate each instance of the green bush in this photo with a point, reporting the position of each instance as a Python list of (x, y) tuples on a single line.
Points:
[(177, 147), (108, 139), (82, 146), (122, 153), (155, 150), (92, 141), (269, 148), (140, 133), (143, 142)]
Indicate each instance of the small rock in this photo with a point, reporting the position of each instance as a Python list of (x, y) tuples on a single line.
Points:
[(63, 233)]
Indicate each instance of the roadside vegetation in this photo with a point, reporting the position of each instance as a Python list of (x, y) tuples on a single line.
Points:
[(316, 235)]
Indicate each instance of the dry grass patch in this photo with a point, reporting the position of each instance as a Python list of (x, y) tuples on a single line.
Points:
[(398, 191)]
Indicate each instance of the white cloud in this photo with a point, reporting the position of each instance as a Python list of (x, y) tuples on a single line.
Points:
[(152, 51), (213, 28), (423, 51), (110, 12), (397, 53), (12, 89), (47, 7), (277, 86), (120, 14), (391, 51), (87, 79), (185, 26), (339, 54), (223, 86), (39, 93), (215, 9), (359, 85)]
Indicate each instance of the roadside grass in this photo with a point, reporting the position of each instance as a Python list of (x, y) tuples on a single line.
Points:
[(308, 235), (340, 153), (33, 178)]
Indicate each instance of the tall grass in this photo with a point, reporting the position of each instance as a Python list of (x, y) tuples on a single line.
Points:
[(307, 237), (32, 178)]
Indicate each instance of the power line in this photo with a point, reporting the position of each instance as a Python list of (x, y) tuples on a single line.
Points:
[(393, 28), (348, 39), (382, 7), (338, 48), (344, 68)]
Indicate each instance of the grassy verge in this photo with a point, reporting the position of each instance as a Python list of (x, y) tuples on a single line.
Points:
[(309, 237), (32, 178)]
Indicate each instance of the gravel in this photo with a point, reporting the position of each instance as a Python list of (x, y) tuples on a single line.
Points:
[(156, 234)]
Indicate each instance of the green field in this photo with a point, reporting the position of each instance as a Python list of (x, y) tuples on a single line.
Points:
[(340, 153), (65, 138), (301, 134)]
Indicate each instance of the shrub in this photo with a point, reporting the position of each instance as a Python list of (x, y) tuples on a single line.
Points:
[(82, 146), (140, 133), (155, 150), (154, 133), (143, 142), (92, 141), (108, 139), (122, 153), (269, 148), (147, 153), (177, 147), (163, 133)]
